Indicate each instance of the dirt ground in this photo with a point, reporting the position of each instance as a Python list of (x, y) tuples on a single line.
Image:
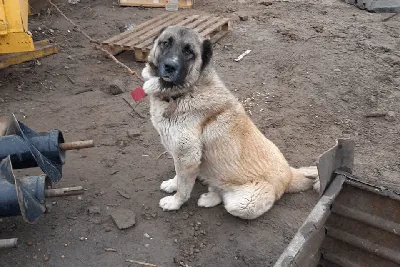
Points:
[(316, 70)]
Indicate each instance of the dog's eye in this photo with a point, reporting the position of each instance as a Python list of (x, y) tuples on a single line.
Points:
[(187, 51), (165, 44)]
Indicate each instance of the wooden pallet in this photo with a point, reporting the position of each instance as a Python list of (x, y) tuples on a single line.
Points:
[(155, 3), (140, 39)]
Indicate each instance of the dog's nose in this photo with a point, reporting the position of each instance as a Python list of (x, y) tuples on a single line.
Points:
[(171, 66)]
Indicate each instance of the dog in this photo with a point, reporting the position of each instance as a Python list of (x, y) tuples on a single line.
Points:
[(209, 134)]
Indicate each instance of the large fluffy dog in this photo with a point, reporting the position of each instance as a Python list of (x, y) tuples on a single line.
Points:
[(209, 135)]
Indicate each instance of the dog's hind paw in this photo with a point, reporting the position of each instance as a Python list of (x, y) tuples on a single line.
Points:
[(317, 186), (170, 203), (208, 200), (170, 185)]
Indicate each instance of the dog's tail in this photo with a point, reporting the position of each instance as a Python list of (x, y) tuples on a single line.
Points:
[(303, 179)]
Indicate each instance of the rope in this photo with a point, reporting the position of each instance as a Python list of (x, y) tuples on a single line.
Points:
[(98, 43)]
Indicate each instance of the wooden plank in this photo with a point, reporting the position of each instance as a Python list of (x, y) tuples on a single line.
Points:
[(188, 20), (112, 49), (209, 22), (216, 37), (193, 20), (155, 3), (214, 27), (140, 39), (141, 55), (197, 22), (153, 32), (311, 253), (144, 30), (3, 125), (302, 242), (137, 28), (339, 157)]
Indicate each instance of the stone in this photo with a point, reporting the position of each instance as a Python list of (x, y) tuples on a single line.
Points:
[(124, 218), (390, 116), (185, 215), (265, 3), (94, 210), (243, 18), (319, 29), (126, 27), (116, 87), (132, 133), (378, 6), (124, 194)]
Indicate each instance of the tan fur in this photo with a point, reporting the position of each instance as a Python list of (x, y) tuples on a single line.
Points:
[(209, 135)]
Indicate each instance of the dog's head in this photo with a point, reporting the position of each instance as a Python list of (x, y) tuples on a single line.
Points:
[(179, 56)]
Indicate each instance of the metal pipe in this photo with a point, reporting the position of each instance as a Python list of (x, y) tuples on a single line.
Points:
[(67, 191), (76, 145), (8, 243)]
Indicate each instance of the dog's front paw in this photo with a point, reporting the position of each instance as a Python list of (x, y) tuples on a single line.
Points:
[(152, 85), (170, 185), (170, 203), (146, 72)]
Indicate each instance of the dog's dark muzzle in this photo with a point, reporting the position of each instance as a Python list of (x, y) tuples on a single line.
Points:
[(171, 70)]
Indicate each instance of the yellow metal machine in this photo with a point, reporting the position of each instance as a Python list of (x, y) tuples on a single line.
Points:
[(16, 43)]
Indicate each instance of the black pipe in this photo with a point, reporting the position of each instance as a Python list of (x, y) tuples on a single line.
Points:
[(21, 156)]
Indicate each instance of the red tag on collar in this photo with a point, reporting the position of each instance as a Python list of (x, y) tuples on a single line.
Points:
[(138, 94)]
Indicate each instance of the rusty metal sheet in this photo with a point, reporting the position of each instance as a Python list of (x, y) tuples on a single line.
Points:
[(365, 222), (358, 222), (344, 255), (304, 247), (339, 157)]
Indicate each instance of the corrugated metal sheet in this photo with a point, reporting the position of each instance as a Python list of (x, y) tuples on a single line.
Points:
[(354, 224), (363, 229)]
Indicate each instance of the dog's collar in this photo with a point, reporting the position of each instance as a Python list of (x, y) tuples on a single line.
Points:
[(174, 97)]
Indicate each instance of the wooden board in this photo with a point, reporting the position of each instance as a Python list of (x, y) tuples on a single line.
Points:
[(140, 39), (155, 3), (3, 125)]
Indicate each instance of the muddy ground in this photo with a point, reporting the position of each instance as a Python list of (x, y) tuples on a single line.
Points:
[(316, 70)]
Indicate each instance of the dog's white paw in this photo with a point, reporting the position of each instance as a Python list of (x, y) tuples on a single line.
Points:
[(310, 172), (170, 203), (152, 85), (170, 185), (146, 72), (208, 200), (317, 185)]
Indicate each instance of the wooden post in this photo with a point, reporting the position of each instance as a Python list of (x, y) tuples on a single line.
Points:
[(8, 243)]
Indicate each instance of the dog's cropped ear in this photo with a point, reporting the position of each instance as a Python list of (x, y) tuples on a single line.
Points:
[(206, 53), (161, 31)]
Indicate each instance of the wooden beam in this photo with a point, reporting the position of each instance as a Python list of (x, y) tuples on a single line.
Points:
[(3, 125), (155, 3)]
